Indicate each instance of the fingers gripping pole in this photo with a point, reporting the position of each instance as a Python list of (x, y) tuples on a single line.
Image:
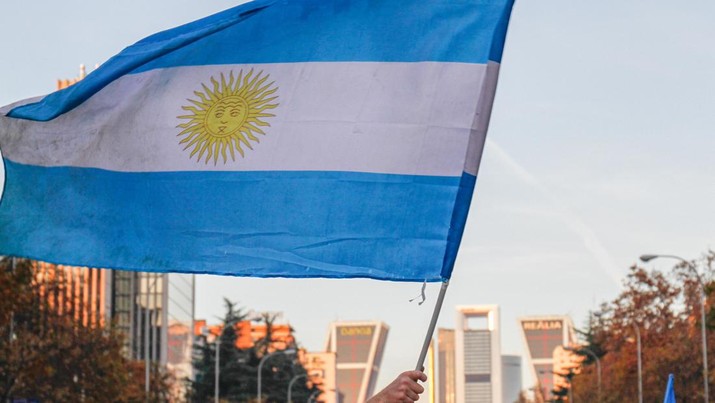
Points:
[(432, 324)]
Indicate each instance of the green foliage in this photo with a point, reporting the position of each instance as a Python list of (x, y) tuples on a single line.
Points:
[(239, 367)]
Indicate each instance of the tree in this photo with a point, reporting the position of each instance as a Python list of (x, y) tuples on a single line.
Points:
[(665, 308), (238, 372), (161, 384), (48, 356)]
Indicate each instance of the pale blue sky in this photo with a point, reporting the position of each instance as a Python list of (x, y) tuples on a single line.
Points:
[(601, 148)]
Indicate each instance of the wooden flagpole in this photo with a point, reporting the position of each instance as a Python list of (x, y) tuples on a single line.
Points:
[(432, 325)]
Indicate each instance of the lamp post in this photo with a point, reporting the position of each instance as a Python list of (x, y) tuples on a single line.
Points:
[(640, 374), (148, 323), (703, 301), (11, 333), (290, 386), (218, 358), (289, 351), (598, 364)]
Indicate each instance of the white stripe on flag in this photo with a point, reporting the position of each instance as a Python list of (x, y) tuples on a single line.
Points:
[(396, 118)]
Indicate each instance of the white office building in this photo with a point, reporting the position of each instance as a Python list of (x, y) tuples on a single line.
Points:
[(478, 355), (511, 378)]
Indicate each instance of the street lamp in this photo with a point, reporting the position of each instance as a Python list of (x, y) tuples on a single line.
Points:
[(289, 351), (148, 324), (598, 364), (703, 300), (640, 373), (290, 386), (218, 358)]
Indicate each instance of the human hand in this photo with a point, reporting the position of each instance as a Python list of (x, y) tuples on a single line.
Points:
[(404, 389)]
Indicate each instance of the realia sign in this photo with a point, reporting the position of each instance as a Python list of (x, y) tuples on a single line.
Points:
[(542, 325)]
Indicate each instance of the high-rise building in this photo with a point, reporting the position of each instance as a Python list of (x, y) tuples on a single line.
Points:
[(445, 366), (359, 347), (179, 317), (80, 292), (542, 335), (511, 378), (156, 312), (430, 370), (478, 355)]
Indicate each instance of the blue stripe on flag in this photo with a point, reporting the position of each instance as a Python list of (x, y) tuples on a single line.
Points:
[(459, 218), (392, 227), (464, 31)]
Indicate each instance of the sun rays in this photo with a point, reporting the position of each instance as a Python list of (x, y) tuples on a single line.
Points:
[(226, 118)]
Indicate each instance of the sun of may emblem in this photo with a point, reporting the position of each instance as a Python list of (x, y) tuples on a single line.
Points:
[(226, 117)]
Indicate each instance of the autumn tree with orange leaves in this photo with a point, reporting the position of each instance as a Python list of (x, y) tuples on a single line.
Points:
[(48, 356), (665, 307)]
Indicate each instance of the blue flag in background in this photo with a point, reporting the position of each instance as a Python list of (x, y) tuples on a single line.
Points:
[(669, 391), (304, 138)]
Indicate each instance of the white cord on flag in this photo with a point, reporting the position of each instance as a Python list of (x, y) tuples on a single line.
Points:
[(422, 294)]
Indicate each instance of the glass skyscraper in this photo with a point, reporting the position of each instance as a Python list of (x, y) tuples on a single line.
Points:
[(156, 312)]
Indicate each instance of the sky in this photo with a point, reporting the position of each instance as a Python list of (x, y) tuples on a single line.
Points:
[(600, 149)]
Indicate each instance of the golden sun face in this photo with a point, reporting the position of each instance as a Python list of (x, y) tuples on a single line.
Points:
[(226, 117)]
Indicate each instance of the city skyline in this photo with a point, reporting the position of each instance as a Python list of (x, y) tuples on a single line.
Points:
[(598, 151)]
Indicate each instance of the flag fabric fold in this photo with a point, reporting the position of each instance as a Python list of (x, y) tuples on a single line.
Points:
[(309, 138)]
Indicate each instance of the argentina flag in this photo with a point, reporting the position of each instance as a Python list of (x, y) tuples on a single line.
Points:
[(279, 138)]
